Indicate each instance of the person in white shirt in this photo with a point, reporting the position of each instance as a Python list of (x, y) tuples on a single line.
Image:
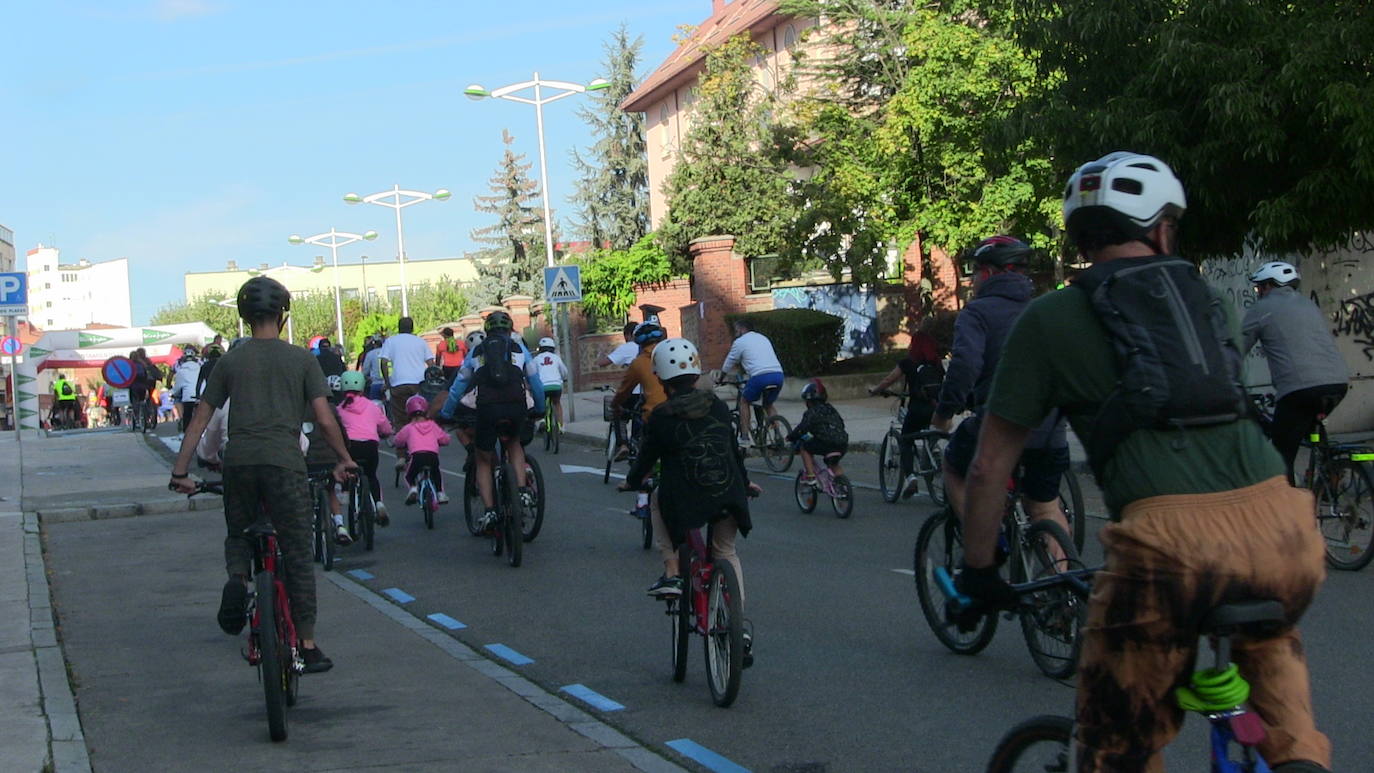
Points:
[(552, 372), (403, 361), (623, 354), (184, 377), (753, 353)]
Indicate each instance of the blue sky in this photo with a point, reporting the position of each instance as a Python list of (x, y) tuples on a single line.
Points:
[(184, 133)]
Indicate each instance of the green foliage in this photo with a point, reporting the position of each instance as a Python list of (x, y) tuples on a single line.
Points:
[(806, 341), (433, 305), (221, 319), (728, 179), (609, 277), (613, 192), (372, 324), (514, 264)]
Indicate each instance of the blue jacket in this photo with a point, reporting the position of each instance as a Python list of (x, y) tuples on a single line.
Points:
[(470, 366)]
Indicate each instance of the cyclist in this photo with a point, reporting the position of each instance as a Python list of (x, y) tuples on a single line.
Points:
[(1200, 515), (821, 430), (640, 379), (451, 408), (450, 354), (421, 439), (64, 401), (505, 388), (553, 373), (623, 354), (371, 367), (140, 391), (403, 361), (1310, 376), (1000, 293), (269, 381), (184, 377), (753, 353), (702, 480), (211, 356), (924, 372), (332, 365), (364, 425)]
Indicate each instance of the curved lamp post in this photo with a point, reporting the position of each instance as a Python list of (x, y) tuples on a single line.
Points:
[(398, 199), (334, 240)]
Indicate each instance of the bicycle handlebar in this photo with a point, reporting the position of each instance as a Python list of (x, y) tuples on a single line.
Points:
[(204, 487)]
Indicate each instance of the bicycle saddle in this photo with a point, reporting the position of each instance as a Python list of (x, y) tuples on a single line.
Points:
[(260, 529), (1227, 618)]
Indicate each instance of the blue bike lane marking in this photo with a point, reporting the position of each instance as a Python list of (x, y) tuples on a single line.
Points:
[(591, 697), (506, 653), (446, 621), (707, 758), (399, 596), (361, 574)]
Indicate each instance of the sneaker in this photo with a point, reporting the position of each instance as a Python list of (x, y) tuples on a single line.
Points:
[(381, 516), (746, 442), (341, 536), (316, 662), (748, 645), (622, 453), (666, 586), (809, 480), (486, 521), (527, 496), (909, 486), (233, 607), (412, 496), (443, 498)]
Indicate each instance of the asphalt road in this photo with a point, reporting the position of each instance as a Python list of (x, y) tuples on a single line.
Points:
[(847, 675)]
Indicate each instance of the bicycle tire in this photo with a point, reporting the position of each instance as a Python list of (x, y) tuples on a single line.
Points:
[(610, 452), (1344, 489), (1046, 728), (427, 502), (510, 517), (725, 636), (327, 538), (890, 466), (318, 527), (367, 515), (472, 499), (681, 613), (939, 543), (777, 452), (530, 524), (646, 529), (396, 479), (272, 663), (557, 434), (805, 493), (1052, 626), (935, 479), (1073, 509), (843, 502)]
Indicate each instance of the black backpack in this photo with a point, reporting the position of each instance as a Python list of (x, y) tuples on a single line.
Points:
[(1178, 365), (499, 380)]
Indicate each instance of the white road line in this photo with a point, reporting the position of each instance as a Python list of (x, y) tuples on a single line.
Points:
[(908, 572)]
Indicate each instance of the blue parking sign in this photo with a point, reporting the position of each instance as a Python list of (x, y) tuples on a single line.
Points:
[(14, 293)]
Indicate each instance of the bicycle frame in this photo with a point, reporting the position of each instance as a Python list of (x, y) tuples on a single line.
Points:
[(699, 580), (265, 558)]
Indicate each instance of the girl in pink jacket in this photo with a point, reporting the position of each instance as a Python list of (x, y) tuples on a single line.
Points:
[(422, 438), (364, 426)]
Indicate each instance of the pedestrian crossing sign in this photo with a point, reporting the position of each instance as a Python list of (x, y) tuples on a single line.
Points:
[(563, 284)]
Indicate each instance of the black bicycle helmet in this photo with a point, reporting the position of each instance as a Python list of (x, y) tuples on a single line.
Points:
[(1001, 252), (648, 333), (498, 320), (261, 296), (814, 391), (434, 375)]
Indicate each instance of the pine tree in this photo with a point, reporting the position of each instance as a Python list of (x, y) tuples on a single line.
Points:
[(513, 263), (612, 195)]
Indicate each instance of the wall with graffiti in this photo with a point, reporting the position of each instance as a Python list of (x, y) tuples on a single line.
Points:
[(1341, 283), (858, 308)]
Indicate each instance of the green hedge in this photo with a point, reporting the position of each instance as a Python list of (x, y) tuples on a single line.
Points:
[(807, 341)]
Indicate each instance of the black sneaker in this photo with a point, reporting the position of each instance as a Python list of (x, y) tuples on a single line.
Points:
[(233, 607), (748, 645), (486, 521), (316, 662), (666, 586)]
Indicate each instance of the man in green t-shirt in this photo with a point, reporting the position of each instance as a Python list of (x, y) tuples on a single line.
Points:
[(1201, 516), (270, 383)]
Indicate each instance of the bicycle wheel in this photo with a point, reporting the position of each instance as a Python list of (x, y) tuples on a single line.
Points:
[(1038, 745), (396, 479), (274, 661), (777, 452), (890, 466), (320, 504), (935, 479), (557, 433), (367, 515), (531, 523), (725, 637), (509, 528), (1345, 514), (940, 544), (1051, 619), (805, 493), (427, 502), (843, 500), (610, 452), (472, 500), (680, 611), (1072, 505)]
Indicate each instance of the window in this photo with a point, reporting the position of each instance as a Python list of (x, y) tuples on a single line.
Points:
[(663, 115), (393, 295), (350, 293), (47, 285), (789, 38)]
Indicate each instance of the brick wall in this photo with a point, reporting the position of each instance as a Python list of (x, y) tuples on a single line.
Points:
[(673, 296), (722, 287)]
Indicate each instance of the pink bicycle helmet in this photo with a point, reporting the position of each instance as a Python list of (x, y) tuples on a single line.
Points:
[(416, 404)]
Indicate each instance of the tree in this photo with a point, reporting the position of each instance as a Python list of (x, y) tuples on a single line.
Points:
[(1264, 108), (609, 276), (221, 319), (729, 179), (514, 264), (613, 193)]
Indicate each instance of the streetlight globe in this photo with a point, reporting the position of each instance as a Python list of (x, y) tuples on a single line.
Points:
[(352, 198), (442, 194), (294, 239), (370, 235), (598, 84), (476, 92)]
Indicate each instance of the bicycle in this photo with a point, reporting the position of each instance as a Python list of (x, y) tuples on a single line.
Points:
[(768, 433), (1050, 622), (362, 511), (837, 487), (1218, 693), (428, 496), (927, 456), (323, 525), (644, 513), (628, 413), (553, 426), (531, 522), (273, 646)]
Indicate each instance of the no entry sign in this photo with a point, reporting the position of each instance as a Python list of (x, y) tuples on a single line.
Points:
[(118, 372)]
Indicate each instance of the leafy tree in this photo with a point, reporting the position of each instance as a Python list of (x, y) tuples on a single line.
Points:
[(613, 192), (373, 323), (514, 265), (609, 276), (221, 319), (1264, 108), (728, 179)]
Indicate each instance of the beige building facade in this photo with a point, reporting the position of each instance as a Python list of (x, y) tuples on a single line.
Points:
[(6, 249), (376, 282)]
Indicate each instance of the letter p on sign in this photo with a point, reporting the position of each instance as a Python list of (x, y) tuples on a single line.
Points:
[(10, 285), (14, 295)]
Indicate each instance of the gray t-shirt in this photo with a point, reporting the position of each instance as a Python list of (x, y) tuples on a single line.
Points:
[(1297, 342), (271, 383)]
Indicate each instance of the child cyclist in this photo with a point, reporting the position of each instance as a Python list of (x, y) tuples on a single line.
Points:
[(270, 381), (702, 479), (552, 372), (421, 437), (365, 425), (821, 431)]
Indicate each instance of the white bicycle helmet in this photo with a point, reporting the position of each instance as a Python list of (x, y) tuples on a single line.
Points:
[(676, 357), (475, 339), (548, 343), (1124, 192), (1278, 272)]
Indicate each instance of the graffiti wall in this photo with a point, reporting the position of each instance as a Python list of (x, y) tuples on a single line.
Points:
[(1341, 283), (858, 308)]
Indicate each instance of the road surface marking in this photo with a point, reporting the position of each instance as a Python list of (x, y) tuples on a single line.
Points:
[(399, 596), (707, 758), (569, 469), (908, 572), (591, 697), (506, 653), (446, 621), (361, 574)]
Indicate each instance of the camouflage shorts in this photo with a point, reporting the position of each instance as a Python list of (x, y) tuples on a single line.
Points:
[(284, 494)]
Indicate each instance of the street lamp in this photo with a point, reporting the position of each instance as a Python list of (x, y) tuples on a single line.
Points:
[(395, 199), (363, 258), (336, 239), (476, 92), (232, 303)]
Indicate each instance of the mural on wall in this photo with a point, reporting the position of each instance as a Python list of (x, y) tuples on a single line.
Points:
[(858, 308)]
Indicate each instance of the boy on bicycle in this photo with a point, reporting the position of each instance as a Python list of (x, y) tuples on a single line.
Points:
[(640, 378), (821, 431), (553, 373), (270, 382)]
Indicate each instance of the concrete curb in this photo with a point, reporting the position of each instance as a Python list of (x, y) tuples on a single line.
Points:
[(128, 510)]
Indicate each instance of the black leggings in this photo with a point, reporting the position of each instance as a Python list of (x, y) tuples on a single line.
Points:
[(1295, 415), (918, 416), (421, 459), (364, 452)]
